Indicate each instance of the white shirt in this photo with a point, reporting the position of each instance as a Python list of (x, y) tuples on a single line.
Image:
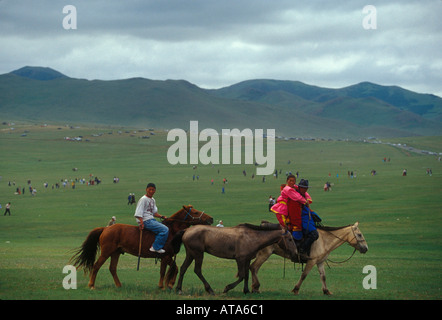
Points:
[(146, 207)]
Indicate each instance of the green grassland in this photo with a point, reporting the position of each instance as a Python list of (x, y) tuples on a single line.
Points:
[(400, 217)]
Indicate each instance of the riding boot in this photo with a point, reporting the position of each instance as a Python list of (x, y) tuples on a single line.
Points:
[(306, 246), (298, 244), (308, 241)]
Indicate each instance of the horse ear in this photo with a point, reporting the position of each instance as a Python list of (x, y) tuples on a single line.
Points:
[(356, 224)]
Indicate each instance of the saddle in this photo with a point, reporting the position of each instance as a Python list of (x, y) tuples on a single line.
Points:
[(301, 258)]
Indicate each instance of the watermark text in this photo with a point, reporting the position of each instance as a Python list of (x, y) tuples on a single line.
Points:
[(70, 20), (186, 150), (370, 280), (370, 19)]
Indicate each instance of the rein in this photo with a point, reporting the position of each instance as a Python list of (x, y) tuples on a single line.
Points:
[(185, 217), (354, 237), (337, 262)]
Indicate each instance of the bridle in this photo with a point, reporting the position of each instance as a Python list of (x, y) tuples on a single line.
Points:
[(185, 217), (193, 218), (355, 248)]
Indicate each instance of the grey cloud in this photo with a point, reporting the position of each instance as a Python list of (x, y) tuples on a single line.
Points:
[(217, 43)]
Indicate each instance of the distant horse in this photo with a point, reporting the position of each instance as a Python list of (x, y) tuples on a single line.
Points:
[(119, 238), (240, 243), (329, 239)]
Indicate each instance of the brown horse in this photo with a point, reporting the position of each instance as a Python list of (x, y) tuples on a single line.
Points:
[(120, 238), (240, 243), (329, 239)]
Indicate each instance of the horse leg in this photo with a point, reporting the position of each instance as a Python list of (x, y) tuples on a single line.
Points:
[(113, 268), (183, 269), (261, 257), (162, 272), (171, 274), (241, 263), (197, 270), (304, 274), (322, 274), (102, 259), (246, 277)]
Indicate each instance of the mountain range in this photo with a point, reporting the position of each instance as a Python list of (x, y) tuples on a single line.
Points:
[(293, 108)]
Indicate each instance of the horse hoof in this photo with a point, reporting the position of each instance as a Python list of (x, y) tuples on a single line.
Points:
[(328, 293), (295, 291)]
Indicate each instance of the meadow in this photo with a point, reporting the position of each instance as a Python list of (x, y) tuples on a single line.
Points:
[(399, 216)]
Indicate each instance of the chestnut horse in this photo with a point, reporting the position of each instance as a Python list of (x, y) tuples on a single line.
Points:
[(120, 238), (329, 239), (240, 243)]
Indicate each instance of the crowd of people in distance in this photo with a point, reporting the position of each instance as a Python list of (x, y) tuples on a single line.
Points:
[(63, 183)]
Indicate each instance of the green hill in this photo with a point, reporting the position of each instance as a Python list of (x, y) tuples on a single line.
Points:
[(38, 73), (366, 105), (291, 107)]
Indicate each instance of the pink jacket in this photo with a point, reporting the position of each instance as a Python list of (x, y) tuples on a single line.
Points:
[(280, 207)]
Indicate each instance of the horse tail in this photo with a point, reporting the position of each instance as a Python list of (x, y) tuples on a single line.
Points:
[(177, 241), (85, 255)]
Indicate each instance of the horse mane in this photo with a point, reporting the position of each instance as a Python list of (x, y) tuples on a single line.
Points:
[(327, 228), (262, 227)]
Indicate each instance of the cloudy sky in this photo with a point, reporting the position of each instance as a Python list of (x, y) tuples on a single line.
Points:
[(214, 43)]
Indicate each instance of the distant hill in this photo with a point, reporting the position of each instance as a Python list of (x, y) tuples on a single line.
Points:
[(38, 73), (291, 107), (366, 105)]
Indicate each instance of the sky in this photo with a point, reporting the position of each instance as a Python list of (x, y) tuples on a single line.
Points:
[(214, 44)]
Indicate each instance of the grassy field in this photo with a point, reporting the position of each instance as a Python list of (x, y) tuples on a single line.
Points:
[(400, 217)]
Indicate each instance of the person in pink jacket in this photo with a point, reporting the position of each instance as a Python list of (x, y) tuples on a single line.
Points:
[(281, 209)]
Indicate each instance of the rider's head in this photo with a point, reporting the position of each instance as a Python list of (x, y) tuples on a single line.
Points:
[(150, 190), (303, 186), (291, 180)]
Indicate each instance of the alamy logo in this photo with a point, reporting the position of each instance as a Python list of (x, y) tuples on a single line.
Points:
[(70, 281), (210, 152), (70, 20), (370, 20)]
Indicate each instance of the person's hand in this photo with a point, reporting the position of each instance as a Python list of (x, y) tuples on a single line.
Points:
[(140, 224)]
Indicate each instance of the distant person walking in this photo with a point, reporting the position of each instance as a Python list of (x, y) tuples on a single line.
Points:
[(271, 202), (131, 199), (8, 208)]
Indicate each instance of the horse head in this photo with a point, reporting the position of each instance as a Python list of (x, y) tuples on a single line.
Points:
[(287, 243), (193, 216), (358, 242)]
